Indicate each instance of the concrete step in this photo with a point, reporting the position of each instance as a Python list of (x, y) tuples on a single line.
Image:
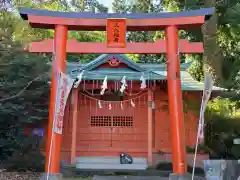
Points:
[(104, 166), (107, 160), (72, 171)]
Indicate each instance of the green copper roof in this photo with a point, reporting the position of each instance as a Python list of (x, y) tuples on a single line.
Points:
[(136, 70), (117, 75), (188, 83), (105, 57)]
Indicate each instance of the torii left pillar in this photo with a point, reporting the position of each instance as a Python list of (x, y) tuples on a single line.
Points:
[(52, 167)]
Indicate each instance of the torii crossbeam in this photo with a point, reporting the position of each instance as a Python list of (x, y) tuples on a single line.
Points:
[(159, 47), (61, 22)]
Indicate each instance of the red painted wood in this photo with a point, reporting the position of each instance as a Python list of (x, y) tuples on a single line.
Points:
[(82, 24), (116, 33), (162, 122), (161, 136), (107, 65), (109, 138), (97, 85), (150, 128), (162, 127), (159, 47), (74, 105), (66, 130), (175, 102), (60, 40), (136, 136)]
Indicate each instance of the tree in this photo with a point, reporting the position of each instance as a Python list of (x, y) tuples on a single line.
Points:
[(212, 57), (23, 87), (84, 36), (141, 6), (220, 36), (88, 6), (121, 6)]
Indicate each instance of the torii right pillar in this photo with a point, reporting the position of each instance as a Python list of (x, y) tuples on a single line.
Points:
[(175, 105)]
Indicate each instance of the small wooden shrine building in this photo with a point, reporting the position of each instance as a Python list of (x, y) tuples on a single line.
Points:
[(135, 122)]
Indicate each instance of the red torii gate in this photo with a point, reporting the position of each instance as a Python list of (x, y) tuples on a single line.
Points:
[(61, 22), (159, 47)]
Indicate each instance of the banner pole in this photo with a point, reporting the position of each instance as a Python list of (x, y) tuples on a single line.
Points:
[(208, 85)]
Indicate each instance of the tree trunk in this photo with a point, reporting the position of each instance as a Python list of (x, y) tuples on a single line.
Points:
[(212, 57)]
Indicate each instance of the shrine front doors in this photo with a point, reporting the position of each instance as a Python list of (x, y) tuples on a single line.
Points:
[(110, 129)]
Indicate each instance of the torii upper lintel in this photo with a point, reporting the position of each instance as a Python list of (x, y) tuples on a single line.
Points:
[(85, 21)]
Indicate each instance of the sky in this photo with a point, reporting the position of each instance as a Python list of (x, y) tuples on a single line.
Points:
[(107, 3)]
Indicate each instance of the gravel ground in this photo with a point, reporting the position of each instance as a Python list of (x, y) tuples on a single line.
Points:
[(28, 176), (36, 176), (77, 178), (19, 176)]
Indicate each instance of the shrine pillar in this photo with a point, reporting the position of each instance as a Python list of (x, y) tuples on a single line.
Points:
[(150, 128), (52, 167), (74, 106), (175, 101)]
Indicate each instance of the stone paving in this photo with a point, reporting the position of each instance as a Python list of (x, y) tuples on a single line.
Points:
[(140, 178), (129, 178)]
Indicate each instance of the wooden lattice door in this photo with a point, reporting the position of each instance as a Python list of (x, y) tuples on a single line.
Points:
[(100, 127), (112, 130)]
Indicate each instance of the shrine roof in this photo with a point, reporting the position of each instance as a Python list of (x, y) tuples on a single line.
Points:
[(138, 67), (148, 71), (75, 66), (188, 83), (105, 57), (40, 18)]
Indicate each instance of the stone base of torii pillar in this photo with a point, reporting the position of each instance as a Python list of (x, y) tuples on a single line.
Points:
[(45, 176)]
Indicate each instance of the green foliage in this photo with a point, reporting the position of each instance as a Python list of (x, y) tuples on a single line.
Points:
[(87, 5), (219, 135), (17, 107), (24, 90), (145, 6), (223, 107), (94, 36), (196, 68), (222, 114), (222, 126), (221, 44), (121, 6), (26, 157), (83, 36)]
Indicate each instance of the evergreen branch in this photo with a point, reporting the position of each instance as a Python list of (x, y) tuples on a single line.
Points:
[(22, 91), (236, 10)]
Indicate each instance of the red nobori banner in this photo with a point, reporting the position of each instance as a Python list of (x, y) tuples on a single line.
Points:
[(116, 33), (65, 84)]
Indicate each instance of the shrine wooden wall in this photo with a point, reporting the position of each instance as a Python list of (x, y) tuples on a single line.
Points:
[(162, 122), (125, 139)]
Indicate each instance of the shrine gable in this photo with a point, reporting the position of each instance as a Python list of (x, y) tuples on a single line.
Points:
[(112, 61)]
